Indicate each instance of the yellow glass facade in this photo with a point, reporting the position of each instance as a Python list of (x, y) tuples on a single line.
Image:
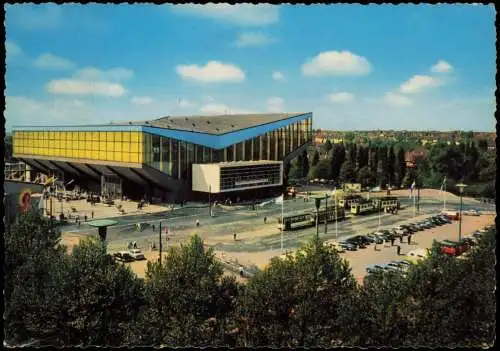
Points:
[(99, 146)]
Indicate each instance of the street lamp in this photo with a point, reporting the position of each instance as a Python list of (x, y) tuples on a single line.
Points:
[(317, 203), (461, 188), (210, 200), (326, 212)]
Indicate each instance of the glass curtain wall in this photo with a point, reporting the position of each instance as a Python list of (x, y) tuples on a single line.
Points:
[(175, 158)]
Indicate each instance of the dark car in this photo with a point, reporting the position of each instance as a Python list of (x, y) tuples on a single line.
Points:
[(444, 218), (348, 246), (413, 227), (377, 239), (358, 241)]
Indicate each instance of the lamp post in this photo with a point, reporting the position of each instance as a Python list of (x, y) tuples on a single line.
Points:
[(326, 212), (336, 219), (210, 200), (461, 188), (317, 203)]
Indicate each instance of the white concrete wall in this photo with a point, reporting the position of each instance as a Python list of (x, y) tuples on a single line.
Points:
[(206, 177)]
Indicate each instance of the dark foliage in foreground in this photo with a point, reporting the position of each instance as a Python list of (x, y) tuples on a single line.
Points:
[(304, 300)]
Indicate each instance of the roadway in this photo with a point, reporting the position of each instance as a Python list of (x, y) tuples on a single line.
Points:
[(218, 230)]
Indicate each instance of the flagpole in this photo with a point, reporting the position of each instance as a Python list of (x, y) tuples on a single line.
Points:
[(282, 223), (336, 220), (444, 195), (413, 204)]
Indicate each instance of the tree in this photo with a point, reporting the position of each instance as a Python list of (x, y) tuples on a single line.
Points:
[(102, 298), (390, 165), (338, 157), (305, 164), (327, 146), (399, 167), (347, 172), (365, 176), (321, 170), (295, 169), (315, 159), (294, 302), (189, 301)]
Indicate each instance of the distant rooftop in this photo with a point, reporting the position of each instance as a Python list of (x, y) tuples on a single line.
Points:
[(220, 124)]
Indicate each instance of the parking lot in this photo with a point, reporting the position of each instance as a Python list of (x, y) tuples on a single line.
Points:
[(257, 241)]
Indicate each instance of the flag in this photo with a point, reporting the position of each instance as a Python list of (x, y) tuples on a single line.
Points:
[(279, 199)]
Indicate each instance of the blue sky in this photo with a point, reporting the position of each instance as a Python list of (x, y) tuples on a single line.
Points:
[(355, 67)]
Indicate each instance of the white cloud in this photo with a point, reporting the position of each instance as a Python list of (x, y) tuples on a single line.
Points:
[(212, 72), (278, 76), (207, 98), (82, 87), (341, 97), (418, 83), (221, 109), (336, 63), (141, 100), (275, 104), (397, 100), (20, 110), (442, 67), (12, 49), (241, 14), (50, 61), (184, 103), (253, 39), (114, 74)]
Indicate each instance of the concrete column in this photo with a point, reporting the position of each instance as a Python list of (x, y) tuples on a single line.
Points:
[(260, 147)]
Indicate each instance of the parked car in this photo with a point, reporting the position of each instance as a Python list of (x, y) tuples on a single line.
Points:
[(445, 219), (348, 246), (413, 227), (377, 239), (358, 241), (137, 255), (124, 256), (472, 213), (401, 264), (477, 234), (373, 268)]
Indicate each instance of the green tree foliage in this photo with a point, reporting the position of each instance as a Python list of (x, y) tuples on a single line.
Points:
[(348, 172), (295, 301), (399, 167), (189, 302), (327, 146), (365, 176), (338, 158), (321, 170), (315, 158), (305, 164), (102, 297)]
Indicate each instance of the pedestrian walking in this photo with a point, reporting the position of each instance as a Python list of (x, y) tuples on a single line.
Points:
[(153, 228), (197, 222), (265, 219), (401, 239), (92, 214), (85, 217), (234, 236), (409, 239), (399, 250), (392, 241)]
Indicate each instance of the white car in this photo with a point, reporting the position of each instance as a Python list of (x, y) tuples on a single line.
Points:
[(418, 253), (137, 254)]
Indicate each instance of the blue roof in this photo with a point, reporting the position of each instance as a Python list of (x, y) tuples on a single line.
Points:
[(227, 136)]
